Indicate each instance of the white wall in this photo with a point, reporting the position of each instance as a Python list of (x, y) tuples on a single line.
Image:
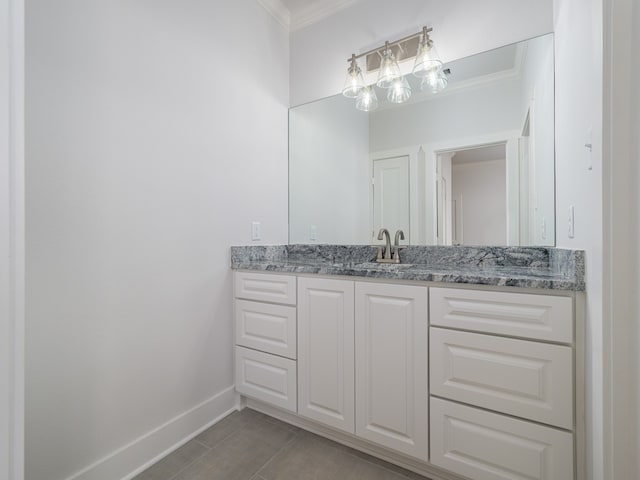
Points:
[(153, 142), (329, 171), (6, 345), (537, 97), (480, 190), (11, 239), (464, 114), (461, 28), (578, 55)]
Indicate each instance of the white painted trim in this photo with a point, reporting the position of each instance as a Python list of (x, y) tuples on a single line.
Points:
[(278, 10), (621, 251), (12, 240), (317, 11), (138, 455)]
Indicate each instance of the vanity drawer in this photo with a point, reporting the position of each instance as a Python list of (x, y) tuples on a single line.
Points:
[(540, 317), (528, 379), (266, 327), (266, 377), (487, 446), (265, 287)]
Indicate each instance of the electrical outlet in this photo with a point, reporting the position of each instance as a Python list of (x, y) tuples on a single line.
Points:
[(543, 229), (256, 231), (313, 232)]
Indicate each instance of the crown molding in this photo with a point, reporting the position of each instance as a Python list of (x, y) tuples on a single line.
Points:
[(278, 10), (318, 11)]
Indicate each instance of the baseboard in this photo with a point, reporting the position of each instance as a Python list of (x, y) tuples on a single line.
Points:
[(135, 457)]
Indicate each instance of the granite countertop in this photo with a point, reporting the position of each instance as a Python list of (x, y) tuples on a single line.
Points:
[(525, 267)]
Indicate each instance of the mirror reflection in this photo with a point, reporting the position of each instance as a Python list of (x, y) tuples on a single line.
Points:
[(472, 164)]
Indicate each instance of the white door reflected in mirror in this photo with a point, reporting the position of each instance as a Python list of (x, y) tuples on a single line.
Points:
[(390, 193)]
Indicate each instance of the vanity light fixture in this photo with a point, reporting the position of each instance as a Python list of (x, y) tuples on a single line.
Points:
[(427, 66), (367, 99), (399, 91), (435, 82), (428, 63), (389, 68), (354, 84)]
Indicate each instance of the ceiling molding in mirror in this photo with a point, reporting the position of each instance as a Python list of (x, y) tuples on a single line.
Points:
[(473, 164)]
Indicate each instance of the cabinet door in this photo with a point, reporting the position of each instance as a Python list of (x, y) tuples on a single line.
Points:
[(391, 366), (326, 352)]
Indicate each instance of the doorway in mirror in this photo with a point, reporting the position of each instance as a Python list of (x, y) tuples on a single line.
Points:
[(473, 196)]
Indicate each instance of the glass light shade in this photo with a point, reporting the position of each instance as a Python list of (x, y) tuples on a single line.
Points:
[(354, 82), (367, 99), (427, 60), (389, 70), (399, 91), (434, 83)]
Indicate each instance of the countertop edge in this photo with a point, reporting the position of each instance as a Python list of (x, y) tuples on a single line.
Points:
[(492, 278)]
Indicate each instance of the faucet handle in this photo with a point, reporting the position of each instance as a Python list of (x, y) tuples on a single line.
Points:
[(397, 246)]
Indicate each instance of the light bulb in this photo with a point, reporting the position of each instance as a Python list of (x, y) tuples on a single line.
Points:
[(389, 70), (367, 100), (354, 82), (399, 91), (434, 83), (427, 60)]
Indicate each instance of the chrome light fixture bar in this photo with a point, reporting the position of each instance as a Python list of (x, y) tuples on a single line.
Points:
[(427, 66)]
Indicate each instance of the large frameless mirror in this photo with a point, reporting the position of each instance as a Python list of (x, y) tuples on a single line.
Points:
[(472, 164)]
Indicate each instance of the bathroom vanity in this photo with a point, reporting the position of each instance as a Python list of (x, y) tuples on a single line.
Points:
[(473, 371)]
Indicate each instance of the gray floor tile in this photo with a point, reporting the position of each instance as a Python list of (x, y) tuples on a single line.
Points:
[(249, 445), (229, 425), (311, 457), (173, 463), (240, 455)]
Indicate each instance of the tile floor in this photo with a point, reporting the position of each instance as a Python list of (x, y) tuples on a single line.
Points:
[(248, 445)]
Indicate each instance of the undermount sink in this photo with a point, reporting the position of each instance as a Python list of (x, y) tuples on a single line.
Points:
[(386, 266)]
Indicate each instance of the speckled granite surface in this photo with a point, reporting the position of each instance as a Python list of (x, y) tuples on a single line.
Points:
[(526, 267)]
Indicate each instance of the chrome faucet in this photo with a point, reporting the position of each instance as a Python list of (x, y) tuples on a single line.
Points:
[(387, 258), (396, 244)]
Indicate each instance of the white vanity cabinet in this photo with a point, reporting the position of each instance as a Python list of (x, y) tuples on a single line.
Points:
[(265, 338), (391, 366), (481, 379), (452, 382)]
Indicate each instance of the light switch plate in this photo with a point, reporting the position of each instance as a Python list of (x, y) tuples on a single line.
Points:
[(256, 231), (571, 222)]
